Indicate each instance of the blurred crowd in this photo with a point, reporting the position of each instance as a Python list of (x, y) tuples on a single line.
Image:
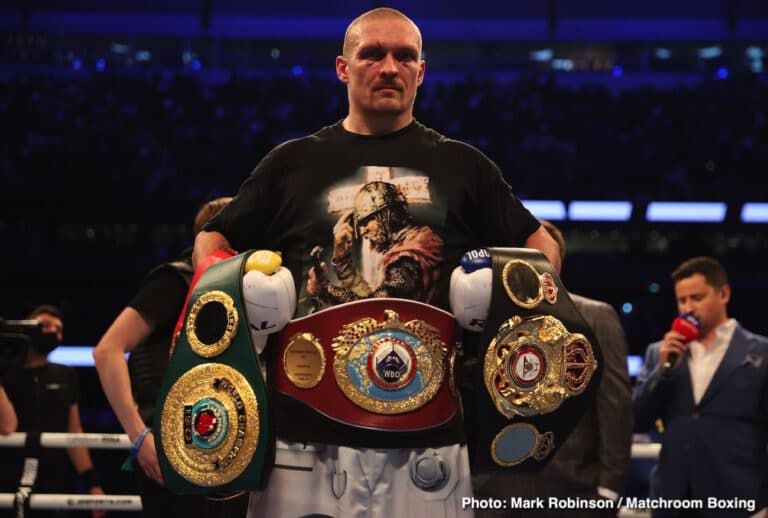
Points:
[(166, 139), (100, 173)]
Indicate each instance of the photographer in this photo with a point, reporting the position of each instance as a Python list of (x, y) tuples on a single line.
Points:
[(45, 396)]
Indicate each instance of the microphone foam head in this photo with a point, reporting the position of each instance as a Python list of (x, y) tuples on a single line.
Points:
[(687, 325)]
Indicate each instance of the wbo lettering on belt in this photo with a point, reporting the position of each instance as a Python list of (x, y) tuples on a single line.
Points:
[(381, 364)]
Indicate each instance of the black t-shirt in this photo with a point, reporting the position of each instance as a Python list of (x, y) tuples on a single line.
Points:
[(298, 192), (42, 397), (159, 300), (455, 199)]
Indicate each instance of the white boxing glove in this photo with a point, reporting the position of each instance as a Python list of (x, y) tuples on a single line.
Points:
[(470, 291), (269, 294)]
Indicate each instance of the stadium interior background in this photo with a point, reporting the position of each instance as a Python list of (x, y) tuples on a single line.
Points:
[(120, 118)]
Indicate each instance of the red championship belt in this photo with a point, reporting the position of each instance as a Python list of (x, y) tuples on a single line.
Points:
[(381, 364)]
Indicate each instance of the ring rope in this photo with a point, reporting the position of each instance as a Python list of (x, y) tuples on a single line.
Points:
[(42, 501)]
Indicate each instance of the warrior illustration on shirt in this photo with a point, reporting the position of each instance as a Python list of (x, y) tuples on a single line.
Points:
[(408, 254)]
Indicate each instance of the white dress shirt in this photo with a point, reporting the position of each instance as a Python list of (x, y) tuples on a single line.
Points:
[(704, 361)]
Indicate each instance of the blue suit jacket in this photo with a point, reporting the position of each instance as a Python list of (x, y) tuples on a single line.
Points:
[(718, 447)]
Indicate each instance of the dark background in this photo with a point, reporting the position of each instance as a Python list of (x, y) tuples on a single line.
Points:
[(119, 119)]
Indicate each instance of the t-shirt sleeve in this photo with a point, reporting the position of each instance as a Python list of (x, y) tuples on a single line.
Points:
[(250, 212), (501, 217), (161, 297)]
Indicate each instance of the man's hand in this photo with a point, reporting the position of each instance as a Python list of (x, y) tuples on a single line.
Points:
[(673, 342), (316, 280), (343, 234), (147, 459), (97, 513)]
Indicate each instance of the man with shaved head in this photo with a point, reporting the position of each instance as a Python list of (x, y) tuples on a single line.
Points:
[(375, 205)]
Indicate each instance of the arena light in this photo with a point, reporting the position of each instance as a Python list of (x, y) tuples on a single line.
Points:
[(143, 55), (541, 55), (546, 209), (754, 213), (715, 51), (73, 355), (689, 212), (634, 364), (600, 210), (662, 53), (754, 52), (120, 48)]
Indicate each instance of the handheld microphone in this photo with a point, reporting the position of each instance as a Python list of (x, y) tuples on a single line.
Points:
[(688, 326)]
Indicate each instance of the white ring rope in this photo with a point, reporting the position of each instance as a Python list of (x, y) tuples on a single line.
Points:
[(70, 440), (38, 501)]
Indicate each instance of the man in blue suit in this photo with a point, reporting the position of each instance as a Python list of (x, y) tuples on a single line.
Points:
[(713, 402)]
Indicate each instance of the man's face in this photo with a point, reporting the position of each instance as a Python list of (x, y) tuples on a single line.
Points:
[(706, 302), (384, 69), (51, 324), (372, 230)]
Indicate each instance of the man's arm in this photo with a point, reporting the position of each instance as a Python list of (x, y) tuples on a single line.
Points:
[(128, 330), (613, 403), (649, 392), (8, 420), (206, 243), (542, 241)]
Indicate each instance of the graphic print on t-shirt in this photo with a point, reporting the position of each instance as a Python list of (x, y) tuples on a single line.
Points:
[(381, 244)]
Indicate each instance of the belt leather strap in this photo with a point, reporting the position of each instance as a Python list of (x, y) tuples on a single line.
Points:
[(539, 365), (375, 364), (211, 421)]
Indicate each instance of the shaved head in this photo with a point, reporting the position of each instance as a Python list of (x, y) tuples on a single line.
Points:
[(352, 36)]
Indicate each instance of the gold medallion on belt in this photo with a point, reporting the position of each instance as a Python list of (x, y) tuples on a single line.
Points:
[(532, 365), (212, 324), (210, 425), (389, 367), (304, 360)]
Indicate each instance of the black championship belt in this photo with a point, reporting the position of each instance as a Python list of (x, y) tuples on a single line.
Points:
[(211, 416), (539, 364)]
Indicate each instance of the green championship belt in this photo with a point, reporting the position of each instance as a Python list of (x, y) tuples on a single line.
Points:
[(539, 364), (211, 418)]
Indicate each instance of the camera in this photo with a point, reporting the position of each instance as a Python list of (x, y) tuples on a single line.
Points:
[(16, 336)]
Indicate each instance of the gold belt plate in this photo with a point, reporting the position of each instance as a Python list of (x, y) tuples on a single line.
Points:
[(532, 365), (389, 367), (210, 425)]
